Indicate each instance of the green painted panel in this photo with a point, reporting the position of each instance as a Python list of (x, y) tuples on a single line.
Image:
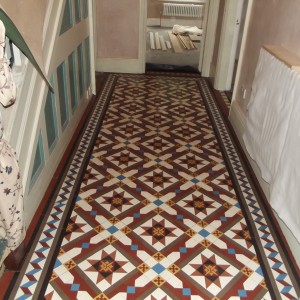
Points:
[(63, 94), (88, 61), (51, 120), (78, 10), (67, 21), (85, 8), (80, 70), (73, 81), (39, 160)]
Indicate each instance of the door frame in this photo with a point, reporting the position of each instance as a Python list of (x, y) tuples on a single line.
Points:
[(142, 36), (228, 44), (204, 50), (209, 38)]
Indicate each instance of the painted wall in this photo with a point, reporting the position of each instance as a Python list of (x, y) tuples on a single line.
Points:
[(29, 17), (117, 28), (155, 7), (272, 22)]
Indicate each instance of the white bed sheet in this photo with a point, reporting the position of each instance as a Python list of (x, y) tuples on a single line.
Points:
[(272, 135)]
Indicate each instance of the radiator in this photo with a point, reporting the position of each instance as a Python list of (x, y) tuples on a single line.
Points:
[(182, 10)]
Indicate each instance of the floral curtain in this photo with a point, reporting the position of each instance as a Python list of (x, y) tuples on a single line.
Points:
[(12, 228)]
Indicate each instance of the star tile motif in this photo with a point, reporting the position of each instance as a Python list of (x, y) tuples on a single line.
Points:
[(241, 234), (106, 267), (199, 204), (210, 271), (157, 144), (158, 232), (158, 180), (124, 159), (117, 201), (191, 162)]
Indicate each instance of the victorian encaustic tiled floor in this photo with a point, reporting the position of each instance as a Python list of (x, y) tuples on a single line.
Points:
[(156, 204)]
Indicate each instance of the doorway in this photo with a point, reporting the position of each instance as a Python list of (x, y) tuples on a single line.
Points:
[(174, 34), (230, 43)]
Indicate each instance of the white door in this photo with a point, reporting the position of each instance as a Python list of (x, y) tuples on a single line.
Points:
[(228, 44)]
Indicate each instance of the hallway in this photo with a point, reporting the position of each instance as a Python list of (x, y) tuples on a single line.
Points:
[(156, 204)]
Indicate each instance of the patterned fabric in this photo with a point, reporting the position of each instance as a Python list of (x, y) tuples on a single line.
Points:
[(11, 197), (155, 204), (7, 85), (11, 204)]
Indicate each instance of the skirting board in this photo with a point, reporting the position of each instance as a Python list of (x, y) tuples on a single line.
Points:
[(171, 22), (119, 65), (237, 119)]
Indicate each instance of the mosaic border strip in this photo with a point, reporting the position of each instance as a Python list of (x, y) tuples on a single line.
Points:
[(276, 264), (33, 270)]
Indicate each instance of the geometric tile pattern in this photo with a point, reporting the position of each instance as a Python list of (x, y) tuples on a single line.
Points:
[(163, 210)]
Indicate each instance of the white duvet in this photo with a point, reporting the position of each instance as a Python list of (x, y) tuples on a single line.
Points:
[(272, 135)]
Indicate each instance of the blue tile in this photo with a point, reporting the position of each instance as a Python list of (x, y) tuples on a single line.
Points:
[(134, 247), (42, 249), (85, 245), (57, 263), (204, 233), (37, 260), (112, 229), (286, 289), (259, 271), (158, 202), (75, 287), (130, 290), (277, 265), (28, 284), (281, 277), (158, 268), (242, 293), (186, 292), (231, 251)]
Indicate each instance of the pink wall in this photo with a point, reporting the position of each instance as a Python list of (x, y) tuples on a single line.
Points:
[(29, 17), (117, 28), (154, 7), (272, 22)]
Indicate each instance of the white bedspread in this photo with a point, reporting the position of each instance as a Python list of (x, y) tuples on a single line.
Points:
[(272, 135)]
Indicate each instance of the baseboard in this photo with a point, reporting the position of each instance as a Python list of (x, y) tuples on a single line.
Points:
[(34, 194), (119, 65), (164, 22), (237, 119)]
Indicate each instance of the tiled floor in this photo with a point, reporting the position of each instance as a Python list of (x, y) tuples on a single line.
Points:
[(164, 209)]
